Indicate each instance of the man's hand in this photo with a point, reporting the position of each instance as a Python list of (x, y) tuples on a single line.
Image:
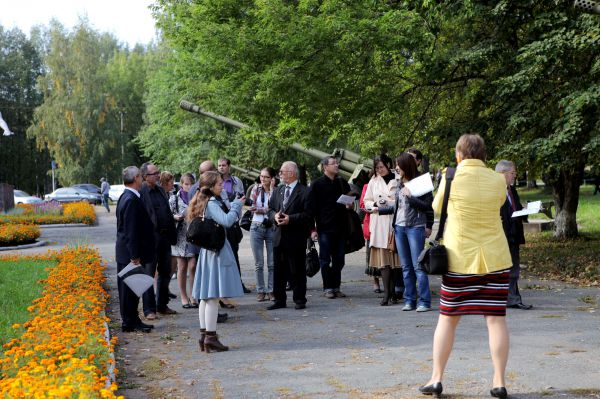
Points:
[(405, 191), (136, 261), (427, 232), (283, 219)]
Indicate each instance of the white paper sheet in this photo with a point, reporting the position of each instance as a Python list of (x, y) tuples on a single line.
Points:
[(127, 269), (532, 207), (420, 185), (139, 283), (345, 200)]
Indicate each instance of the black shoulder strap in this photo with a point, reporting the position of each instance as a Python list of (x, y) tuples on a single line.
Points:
[(449, 177)]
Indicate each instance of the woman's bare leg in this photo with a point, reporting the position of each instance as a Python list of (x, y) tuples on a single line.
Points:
[(443, 340), (191, 262), (499, 344), (182, 267)]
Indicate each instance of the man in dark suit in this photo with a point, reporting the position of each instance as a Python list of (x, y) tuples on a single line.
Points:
[(289, 210), (513, 229), (135, 244), (165, 234)]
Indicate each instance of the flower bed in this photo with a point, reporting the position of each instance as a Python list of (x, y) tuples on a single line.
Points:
[(16, 234), (62, 351), (51, 213)]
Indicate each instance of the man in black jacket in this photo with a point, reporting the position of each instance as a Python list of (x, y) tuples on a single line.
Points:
[(165, 234), (290, 212), (330, 218), (135, 244), (513, 229)]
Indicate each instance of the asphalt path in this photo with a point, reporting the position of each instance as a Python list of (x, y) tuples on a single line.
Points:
[(349, 347)]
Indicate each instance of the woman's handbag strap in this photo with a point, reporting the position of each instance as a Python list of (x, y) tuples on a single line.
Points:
[(449, 177)]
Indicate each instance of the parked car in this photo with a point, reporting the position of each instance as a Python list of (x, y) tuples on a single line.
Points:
[(21, 197), (89, 187), (115, 192), (73, 194)]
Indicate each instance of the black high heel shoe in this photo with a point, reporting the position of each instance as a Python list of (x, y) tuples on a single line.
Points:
[(226, 305), (499, 392), (433, 389)]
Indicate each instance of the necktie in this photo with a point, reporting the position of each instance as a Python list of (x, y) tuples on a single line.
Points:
[(286, 195), (511, 199)]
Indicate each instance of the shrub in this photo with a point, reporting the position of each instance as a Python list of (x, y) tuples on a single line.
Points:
[(15, 234)]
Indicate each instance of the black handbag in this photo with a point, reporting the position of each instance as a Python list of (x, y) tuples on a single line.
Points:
[(434, 258), (246, 220), (354, 239), (312, 259), (206, 233)]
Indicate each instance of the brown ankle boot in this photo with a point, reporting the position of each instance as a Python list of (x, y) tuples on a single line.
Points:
[(386, 276), (212, 344), (202, 339)]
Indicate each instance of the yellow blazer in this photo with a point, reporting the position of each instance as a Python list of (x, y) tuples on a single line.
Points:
[(473, 235)]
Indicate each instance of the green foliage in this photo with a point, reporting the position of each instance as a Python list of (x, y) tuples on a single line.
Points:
[(21, 164), (91, 86), (18, 288)]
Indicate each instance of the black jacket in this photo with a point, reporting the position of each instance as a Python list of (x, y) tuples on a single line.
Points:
[(294, 234), (513, 227), (171, 233), (324, 193), (135, 232)]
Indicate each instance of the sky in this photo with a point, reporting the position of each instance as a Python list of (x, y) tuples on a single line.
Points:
[(129, 20)]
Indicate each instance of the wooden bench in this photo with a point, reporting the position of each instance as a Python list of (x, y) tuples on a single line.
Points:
[(538, 225)]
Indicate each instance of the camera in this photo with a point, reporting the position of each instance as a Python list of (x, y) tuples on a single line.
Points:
[(266, 223)]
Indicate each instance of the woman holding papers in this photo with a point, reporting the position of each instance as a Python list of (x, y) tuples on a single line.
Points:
[(379, 203), (412, 215), (217, 275)]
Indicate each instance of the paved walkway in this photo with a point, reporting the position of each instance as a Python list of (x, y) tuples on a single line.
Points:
[(351, 347)]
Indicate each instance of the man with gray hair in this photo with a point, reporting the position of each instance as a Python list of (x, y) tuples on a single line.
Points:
[(513, 229), (135, 244)]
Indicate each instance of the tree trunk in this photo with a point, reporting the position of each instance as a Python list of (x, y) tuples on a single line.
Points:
[(566, 200), (531, 182)]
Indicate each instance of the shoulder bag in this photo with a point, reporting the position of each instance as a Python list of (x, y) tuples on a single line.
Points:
[(434, 258), (312, 259), (206, 233)]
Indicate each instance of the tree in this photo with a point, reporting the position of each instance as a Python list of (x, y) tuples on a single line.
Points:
[(21, 164)]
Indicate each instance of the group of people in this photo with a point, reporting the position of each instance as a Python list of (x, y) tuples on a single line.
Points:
[(481, 238)]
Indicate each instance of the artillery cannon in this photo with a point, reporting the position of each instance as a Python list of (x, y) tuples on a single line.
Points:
[(353, 166)]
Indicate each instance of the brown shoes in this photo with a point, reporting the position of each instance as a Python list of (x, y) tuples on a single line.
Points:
[(271, 297), (261, 297), (166, 311), (150, 316), (212, 343)]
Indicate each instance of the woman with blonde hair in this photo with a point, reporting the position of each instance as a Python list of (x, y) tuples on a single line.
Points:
[(217, 275), (478, 261)]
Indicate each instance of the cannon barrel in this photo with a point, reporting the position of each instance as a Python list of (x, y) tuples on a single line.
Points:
[(188, 106), (247, 173)]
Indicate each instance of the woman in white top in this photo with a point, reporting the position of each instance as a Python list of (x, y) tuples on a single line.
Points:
[(379, 202), (261, 233)]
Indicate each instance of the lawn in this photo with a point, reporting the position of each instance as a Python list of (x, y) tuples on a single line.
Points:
[(573, 260), (18, 288)]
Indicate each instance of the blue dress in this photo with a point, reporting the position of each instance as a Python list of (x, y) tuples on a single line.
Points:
[(217, 275)]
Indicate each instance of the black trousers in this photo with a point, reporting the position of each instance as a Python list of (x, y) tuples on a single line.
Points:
[(514, 296), (290, 263), (128, 301), (159, 300)]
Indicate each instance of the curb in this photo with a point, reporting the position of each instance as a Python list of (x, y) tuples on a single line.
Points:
[(52, 226), (25, 246)]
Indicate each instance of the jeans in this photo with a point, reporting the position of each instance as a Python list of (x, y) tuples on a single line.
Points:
[(410, 242), (262, 237), (331, 252), (105, 199)]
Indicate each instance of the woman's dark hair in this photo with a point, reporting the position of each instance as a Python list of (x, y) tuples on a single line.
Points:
[(270, 171), (385, 160), (407, 163), (471, 146)]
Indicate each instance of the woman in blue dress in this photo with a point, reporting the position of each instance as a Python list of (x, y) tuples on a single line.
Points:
[(217, 275)]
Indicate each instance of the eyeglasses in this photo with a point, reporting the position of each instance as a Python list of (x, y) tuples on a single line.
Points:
[(153, 174), (332, 164), (265, 177), (284, 171)]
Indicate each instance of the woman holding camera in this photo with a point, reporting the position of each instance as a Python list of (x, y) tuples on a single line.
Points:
[(217, 275), (261, 233), (379, 203)]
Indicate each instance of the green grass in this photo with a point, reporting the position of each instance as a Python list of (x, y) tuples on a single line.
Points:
[(573, 260), (19, 286)]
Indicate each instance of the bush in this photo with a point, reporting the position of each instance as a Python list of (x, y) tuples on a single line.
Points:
[(51, 213), (15, 234)]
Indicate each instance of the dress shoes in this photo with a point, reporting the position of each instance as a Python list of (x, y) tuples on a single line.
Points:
[(520, 306), (224, 305), (150, 316), (138, 328), (222, 317), (167, 311), (277, 305), (300, 306), (499, 392), (433, 389), (144, 325), (172, 296)]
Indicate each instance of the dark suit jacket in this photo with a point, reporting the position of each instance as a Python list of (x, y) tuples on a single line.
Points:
[(513, 227), (135, 237), (172, 229), (294, 234)]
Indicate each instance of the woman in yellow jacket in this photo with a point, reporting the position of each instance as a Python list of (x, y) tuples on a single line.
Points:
[(478, 261)]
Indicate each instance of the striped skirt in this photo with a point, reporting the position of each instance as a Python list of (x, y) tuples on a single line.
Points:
[(483, 294)]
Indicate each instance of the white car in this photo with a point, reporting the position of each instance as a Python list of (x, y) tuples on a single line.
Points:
[(115, 192), (21, 197)]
